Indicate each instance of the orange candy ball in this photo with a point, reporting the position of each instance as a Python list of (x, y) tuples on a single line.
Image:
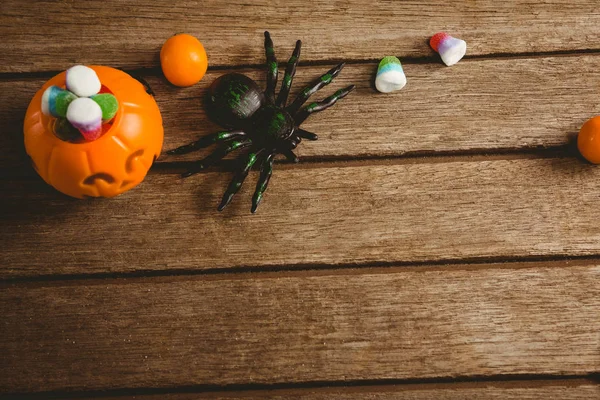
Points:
[(588, 140), (183, 60)]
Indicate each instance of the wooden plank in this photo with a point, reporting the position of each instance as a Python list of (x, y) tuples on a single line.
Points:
[(93, 32), (402, 323), (327, 214), (521, 390), (478, 105)]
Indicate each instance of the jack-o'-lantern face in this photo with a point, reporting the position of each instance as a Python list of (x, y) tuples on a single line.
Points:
[(110, 165)]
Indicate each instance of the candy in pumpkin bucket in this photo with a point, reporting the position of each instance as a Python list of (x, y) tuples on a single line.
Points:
[(80, 103), (93, 132)]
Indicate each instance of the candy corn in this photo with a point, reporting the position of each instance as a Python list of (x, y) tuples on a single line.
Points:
[(390, 75), (83, 81), (451, 49)]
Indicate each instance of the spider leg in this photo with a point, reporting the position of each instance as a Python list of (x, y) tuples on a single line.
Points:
[(294, 141), (306, 134), (290, 155), (322, 105), (216, 156), (207, 141), (266, 170), (238, 179), (290, 71), (324, 80), (271, 67)]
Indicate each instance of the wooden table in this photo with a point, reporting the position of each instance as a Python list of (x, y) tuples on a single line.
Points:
[(442, 242)]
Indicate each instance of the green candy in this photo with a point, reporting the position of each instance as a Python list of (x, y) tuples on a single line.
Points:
[(63, 99), (65, 131), (389, 60), (109, 105)]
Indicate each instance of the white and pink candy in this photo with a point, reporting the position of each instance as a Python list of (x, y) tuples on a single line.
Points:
[(451, 49), (86, 115)]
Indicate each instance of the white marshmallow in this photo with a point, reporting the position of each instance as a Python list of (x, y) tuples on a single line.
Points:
[(452, 50), (85, 114), (390, 75), (83, 81)]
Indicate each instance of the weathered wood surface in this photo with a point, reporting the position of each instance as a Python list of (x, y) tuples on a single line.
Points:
[(310, 324), (55, 35), (521, 390), (393, 323), (477, 105), (320, 214)]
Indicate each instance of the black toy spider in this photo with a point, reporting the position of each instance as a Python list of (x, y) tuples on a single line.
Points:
[(259, 121)]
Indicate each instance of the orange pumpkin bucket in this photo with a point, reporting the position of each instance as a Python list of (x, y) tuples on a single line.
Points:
[(110, 165)]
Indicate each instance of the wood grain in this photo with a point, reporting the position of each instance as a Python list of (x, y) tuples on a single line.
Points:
[(265, 328), (520, 390), (324, 214), (529, 81), (91, 32), (475, 106)]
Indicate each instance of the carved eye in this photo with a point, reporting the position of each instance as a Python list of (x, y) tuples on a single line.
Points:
[(130, 160)]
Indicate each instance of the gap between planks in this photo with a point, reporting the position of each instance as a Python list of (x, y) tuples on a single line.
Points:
[(157, 72), (315, 162), (283, 271), (492, 387)]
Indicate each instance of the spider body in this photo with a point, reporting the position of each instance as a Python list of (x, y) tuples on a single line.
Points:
[(271, 126), (259, 121), (236, 101), (233, 99)]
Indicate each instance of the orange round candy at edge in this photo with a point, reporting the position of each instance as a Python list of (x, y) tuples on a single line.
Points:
[(588, 140), (183, 60)]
